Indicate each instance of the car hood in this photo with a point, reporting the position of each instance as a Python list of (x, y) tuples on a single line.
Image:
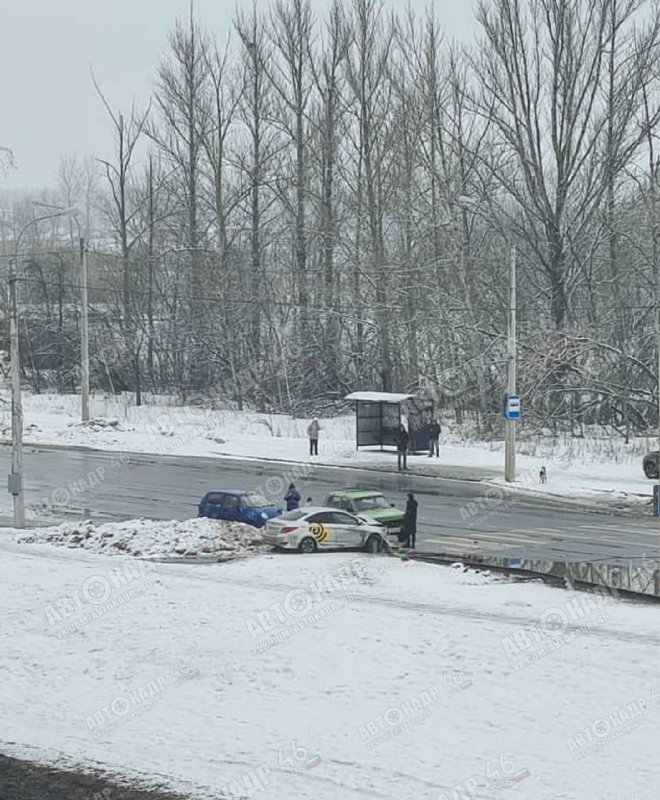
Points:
[(383, 514), (270, 511)]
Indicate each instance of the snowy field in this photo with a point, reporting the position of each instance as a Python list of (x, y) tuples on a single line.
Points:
[(334, 676), (582, 468)]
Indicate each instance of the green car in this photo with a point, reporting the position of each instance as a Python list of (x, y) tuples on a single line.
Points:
[(368, 503)]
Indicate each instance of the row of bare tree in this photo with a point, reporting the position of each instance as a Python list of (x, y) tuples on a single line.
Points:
[(317, 205)]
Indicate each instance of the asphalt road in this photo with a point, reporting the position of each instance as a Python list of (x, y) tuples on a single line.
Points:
[(23, 780), (455, 516)]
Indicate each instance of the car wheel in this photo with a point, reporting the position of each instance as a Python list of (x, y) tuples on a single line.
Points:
[(651, 470), (308, 545), (374, 544)]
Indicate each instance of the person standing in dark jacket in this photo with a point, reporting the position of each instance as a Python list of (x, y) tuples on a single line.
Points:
[(292, 498), (434, 438), (313, 432), (410, 521), (402, 440)]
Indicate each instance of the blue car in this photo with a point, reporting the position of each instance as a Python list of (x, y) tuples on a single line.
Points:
[(249, 507)]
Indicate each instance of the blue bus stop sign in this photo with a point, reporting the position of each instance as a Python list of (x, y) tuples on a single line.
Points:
[(512, 406)]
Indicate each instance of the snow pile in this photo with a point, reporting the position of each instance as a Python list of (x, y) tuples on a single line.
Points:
[(99, 423), (151, 538)]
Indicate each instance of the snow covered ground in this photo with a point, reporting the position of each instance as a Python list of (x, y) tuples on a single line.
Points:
[(581, 468), (283, 676)]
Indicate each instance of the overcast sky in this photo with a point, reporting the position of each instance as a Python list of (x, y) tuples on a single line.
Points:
[(47, 47)]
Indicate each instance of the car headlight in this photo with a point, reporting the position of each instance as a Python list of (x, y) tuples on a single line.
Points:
[(264, 515)]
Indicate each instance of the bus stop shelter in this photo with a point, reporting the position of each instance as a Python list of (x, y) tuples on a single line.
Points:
[(378, 416)]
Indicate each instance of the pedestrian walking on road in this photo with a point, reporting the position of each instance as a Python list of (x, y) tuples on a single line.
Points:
[(434, 438), (410, 521), (292, 498), (402, 440), (313, 433)]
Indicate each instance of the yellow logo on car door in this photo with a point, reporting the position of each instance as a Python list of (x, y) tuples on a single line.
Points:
[(320, 532)]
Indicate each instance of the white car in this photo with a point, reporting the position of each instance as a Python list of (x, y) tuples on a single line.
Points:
[(311, 529)]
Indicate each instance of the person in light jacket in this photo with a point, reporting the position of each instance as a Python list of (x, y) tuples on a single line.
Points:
[(313, 433)]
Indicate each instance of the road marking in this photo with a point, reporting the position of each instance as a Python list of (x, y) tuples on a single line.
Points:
[(610, 530), (455, 541), (517, 537), (524, 535)]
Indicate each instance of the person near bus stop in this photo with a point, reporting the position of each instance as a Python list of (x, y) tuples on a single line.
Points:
[(313, 432), (410, 521), (402, 440), (292, 498), (434, 438)]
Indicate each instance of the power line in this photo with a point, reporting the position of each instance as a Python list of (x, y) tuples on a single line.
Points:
[(368, 305)]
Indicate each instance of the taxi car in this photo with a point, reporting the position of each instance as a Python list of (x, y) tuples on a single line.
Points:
[(321, 528)]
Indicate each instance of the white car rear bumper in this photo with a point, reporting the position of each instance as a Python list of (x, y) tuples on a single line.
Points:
[(284, 540)]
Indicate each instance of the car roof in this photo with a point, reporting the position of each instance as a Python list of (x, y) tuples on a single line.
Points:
[(238, 492), (317, 509), (357, 492)]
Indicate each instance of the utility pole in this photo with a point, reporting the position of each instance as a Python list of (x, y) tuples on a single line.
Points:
[(15, 484), (656, 488), (510, 445), (84, 333)]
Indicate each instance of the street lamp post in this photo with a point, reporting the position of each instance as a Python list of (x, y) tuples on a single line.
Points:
[(466, 202), (656, 488), (16, 478), (84, 333), (510, 445), (15, 483)]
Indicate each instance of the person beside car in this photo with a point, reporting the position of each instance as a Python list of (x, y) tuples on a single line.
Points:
[(410, 521), (292, 498)]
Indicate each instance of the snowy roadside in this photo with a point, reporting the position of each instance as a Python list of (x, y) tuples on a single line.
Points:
[(597, 470), (339, 675)]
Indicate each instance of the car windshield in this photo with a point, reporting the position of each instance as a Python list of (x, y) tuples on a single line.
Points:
[(366, 503), (255, 500)]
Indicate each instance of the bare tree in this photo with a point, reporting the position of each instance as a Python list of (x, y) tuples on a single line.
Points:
[(256, 108), (367, 78), (182, 101), (291, 75), (540, 69), (121, 212), (327, 121)]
